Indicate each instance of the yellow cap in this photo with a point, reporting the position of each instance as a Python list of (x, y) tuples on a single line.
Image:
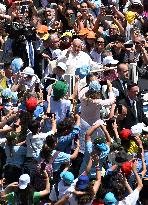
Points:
[(69, 34), (83, 32), (114, 26), (45, 37)]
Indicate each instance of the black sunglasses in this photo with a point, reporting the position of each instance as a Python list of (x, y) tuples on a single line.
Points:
[(69, 15)]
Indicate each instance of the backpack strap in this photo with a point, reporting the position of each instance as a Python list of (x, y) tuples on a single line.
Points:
[(53, 157)]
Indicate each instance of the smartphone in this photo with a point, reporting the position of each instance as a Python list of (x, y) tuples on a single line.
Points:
[(128, 45), (50, 115), (103, 82), (23, 9), (72, 18)]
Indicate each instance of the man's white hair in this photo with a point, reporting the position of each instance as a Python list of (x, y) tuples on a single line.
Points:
[(77, 39)]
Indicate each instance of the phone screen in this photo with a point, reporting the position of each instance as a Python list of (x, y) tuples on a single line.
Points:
[(23, 9), (73, 18)]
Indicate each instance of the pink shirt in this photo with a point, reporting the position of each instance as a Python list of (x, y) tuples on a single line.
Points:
[(90, 109)]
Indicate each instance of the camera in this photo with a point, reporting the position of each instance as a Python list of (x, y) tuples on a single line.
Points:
[(20, 32)]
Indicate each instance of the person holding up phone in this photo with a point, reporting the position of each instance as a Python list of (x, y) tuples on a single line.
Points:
[(35, 140)]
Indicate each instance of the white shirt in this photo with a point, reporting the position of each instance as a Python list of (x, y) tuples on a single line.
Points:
[(121, 81), (131, 199), (60, 108), (35, 142), (62, 190), (75, 61)]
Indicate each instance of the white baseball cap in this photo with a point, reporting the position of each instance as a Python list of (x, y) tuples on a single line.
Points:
[(28, 71), (62, 66), (108, 60), (24, 180)]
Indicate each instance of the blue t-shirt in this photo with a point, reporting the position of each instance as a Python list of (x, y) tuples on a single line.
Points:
[(139, 166), (17, 157), (60, 159), (64, 142)]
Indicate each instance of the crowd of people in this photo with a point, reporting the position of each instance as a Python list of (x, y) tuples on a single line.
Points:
[(73, 121)]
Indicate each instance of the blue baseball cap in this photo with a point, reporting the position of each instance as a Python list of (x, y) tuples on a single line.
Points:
[(82, 71), (94, 85), (67, 177), (82, 183), (102, 147), (109, 199), (16, 65)]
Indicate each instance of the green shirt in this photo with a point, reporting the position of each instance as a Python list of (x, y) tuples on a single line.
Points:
[(11, 197)]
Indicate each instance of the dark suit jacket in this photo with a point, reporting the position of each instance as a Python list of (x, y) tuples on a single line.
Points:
[(122, 94), (131, 118)]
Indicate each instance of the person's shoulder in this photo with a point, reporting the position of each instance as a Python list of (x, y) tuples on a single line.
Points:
[(116, 81), (129, 81), (84, 54)]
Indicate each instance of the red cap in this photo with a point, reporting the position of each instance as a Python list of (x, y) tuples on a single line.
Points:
[(31, 104), (126, 168), (125, 133)]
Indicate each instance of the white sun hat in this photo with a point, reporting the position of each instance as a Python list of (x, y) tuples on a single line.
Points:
[(28, 71)]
